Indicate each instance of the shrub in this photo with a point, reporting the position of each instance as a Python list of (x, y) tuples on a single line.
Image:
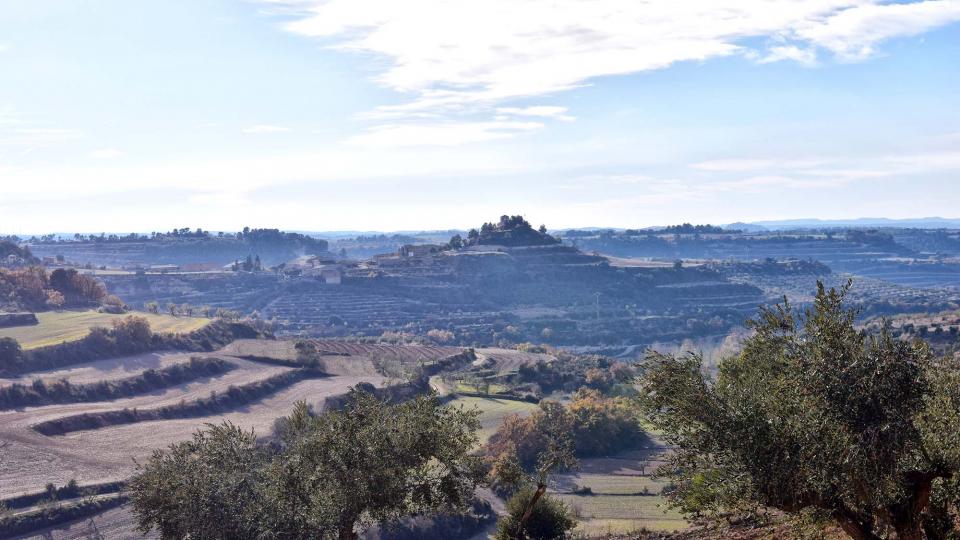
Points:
[(132, 334), (551, 519)]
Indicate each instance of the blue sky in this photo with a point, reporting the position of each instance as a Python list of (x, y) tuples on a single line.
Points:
[(429, 114)]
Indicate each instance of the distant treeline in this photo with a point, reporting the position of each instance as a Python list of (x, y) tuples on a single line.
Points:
[(252, 236), (42, 393), (130, 335), (234, 397)]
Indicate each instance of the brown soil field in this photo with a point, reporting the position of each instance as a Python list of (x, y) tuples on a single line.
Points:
[(509, 359), (345, 358), (114, 523), (105, 370), (29, 460)]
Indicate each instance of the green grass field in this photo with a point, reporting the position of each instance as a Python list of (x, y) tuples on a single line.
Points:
[(59, 326), (616, 484), (622, 513), (465, 387), (493, 411)]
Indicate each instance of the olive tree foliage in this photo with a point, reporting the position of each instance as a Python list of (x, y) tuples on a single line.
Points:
[(814, 416), (333, 474), (550, 519), (548, 446), (371, 463), (205, 488)]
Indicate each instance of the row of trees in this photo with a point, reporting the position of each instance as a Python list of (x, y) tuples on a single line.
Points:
[(189, 310)]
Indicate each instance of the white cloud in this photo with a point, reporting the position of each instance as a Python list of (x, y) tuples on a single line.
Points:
[(733, 164), (452, 56), (853, 34), (806, 57), (265, 129), (105, 153), (541, 111), (441, 134)]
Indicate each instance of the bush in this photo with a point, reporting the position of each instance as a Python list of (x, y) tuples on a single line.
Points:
[(132, 334), (599, 426), (551, 518)]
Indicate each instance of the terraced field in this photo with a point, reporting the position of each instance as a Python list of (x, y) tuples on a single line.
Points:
[(506, 360), (29, 460), (493, 411), (58, 326), (104, 370), (114, 523), (622, 497)]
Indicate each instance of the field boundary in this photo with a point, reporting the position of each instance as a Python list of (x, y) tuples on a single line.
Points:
[(62, 392), (63, 494), (98, 346), (48, 517), (231, 399)]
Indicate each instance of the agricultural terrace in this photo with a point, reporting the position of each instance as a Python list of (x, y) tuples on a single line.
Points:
[(493, 411), (59, 326), (616, 495)]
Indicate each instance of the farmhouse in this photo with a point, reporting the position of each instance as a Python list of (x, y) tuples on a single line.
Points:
[(331, 276), (418, 250)]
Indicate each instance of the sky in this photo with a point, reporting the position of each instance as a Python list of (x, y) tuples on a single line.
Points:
[(322, 115)]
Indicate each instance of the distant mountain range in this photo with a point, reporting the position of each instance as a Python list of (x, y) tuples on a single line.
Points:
[(753, 226), (918, 223)]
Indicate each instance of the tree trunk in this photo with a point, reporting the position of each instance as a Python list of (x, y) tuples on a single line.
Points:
[(910, 531), (907, 518), (346, 530), (528, 511), (855, 528)]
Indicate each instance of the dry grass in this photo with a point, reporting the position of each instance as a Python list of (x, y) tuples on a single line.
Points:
[(104, 370), (114, 523), (509, 360), (635, 511), (610, 484), (58, 326), (493, 411), (28, 460), (601, 528)]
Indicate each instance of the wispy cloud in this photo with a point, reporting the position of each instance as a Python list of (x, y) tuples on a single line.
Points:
[(457, 55), (540, 111), (803, 56), (441, 134), (854, 33), (265, 129)]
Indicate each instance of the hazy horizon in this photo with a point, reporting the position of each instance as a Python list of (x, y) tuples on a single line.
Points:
[(373, 115), (931, 222)]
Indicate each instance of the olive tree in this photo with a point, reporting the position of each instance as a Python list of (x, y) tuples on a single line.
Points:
[(814, 416), (331, 475), (372, 462), (207, 487)]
